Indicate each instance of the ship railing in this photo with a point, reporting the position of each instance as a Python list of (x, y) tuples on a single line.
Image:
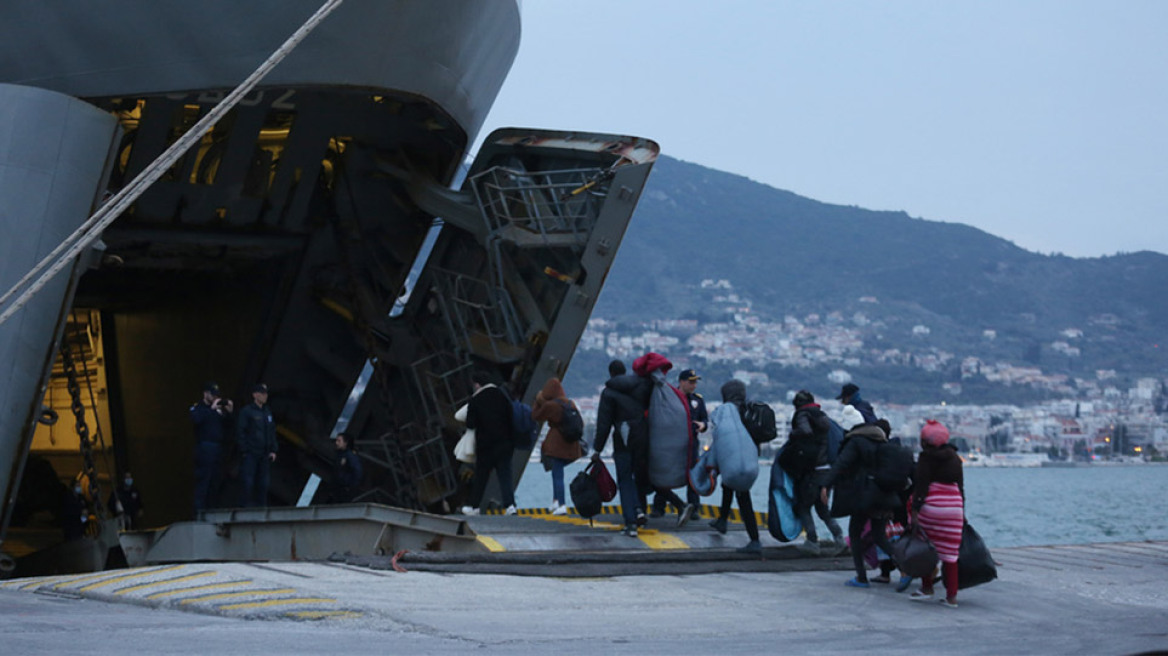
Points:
[(541, 208), (443, 379), (478, 307)]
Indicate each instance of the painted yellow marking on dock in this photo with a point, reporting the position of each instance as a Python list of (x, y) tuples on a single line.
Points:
[(197, 588), (278, 602), (490, 543), (658, 540), (152, 584), (127, 577), (323, 614), (82, 579), (25, 584), (229, 595)]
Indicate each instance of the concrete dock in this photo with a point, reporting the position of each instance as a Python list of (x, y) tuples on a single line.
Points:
[(1081, 599)]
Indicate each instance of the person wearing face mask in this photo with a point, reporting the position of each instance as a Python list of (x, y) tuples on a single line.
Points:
[(126, 503), (74, 511)]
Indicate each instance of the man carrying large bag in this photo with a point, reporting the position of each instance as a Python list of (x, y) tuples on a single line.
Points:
[(670, 433)]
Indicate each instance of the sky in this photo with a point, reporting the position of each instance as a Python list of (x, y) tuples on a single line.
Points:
[(1042, 122)]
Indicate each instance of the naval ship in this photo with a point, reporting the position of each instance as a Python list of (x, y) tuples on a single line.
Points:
[(316, 232)]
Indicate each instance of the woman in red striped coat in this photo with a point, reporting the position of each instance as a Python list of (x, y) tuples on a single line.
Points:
[(939, 505)]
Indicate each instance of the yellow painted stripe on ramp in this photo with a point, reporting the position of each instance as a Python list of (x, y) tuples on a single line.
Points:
[(25, 584), (79, 579), (229, 595), (490, 543), (197, 588), (152, 584), (278, 602), (660, 540), (323, 614), (127, 577)]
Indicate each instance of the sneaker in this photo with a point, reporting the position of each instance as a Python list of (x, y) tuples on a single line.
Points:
[(655, 514), (641, 519), (630, 531), (555, 504), (469, 511), (880, 579), (719, 525), (752, 547), (809, 547), (921, 595), (512, 510), (905, 581), (685, 515), (948, 602), (560, 510), (856, 583)]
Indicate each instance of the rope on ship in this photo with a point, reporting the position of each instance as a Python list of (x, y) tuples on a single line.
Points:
[(90, 231)]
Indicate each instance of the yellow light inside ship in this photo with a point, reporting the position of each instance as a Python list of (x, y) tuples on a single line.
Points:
[(1138, 449)]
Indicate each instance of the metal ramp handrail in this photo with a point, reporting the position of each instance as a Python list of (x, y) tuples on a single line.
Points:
[(545, 203), (477, 305)]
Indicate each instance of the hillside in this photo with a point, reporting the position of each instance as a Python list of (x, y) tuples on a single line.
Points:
[(791, 255)]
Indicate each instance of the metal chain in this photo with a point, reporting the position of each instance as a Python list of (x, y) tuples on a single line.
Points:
[(87, 466)]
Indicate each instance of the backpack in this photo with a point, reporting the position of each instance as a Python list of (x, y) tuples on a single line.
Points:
[(759, 419), (835, 439), (894, 466), (522, 426), (586, 494), (797, 457), (571, 423)]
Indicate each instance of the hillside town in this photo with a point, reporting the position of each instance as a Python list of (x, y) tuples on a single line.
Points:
[(1095, 419)]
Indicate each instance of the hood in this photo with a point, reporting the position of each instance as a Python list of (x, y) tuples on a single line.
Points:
[(734, 391), (870, 431), (650, 362), (552, 389)]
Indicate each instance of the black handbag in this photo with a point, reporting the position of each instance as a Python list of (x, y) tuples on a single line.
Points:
[(915, 555), (975, 565)]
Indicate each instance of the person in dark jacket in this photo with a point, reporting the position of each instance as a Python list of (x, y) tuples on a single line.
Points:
[(809, 429), (854, 467), (622, 416), (850, 395), (348, 470), (556, 451), (210, 417), (126, 503), (634, 393), (489, 414), (255, 435)]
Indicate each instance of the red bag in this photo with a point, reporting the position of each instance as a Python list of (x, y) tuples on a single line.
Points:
[(603, 480)]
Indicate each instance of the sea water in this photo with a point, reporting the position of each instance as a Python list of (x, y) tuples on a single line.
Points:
[(1009, 507)]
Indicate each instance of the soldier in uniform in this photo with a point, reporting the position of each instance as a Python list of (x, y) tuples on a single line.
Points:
[(210, 417), (255, 434)]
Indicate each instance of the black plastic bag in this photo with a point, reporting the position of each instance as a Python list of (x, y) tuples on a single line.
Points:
[(586, 494), (975, 565)]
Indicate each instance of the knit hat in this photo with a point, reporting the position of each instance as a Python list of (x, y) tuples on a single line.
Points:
[(850, 418), (934, 433)]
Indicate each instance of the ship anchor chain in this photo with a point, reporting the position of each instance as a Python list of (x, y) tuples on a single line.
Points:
[(88, 469)]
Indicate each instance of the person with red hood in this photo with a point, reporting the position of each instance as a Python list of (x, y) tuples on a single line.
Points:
[(557, 452)]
